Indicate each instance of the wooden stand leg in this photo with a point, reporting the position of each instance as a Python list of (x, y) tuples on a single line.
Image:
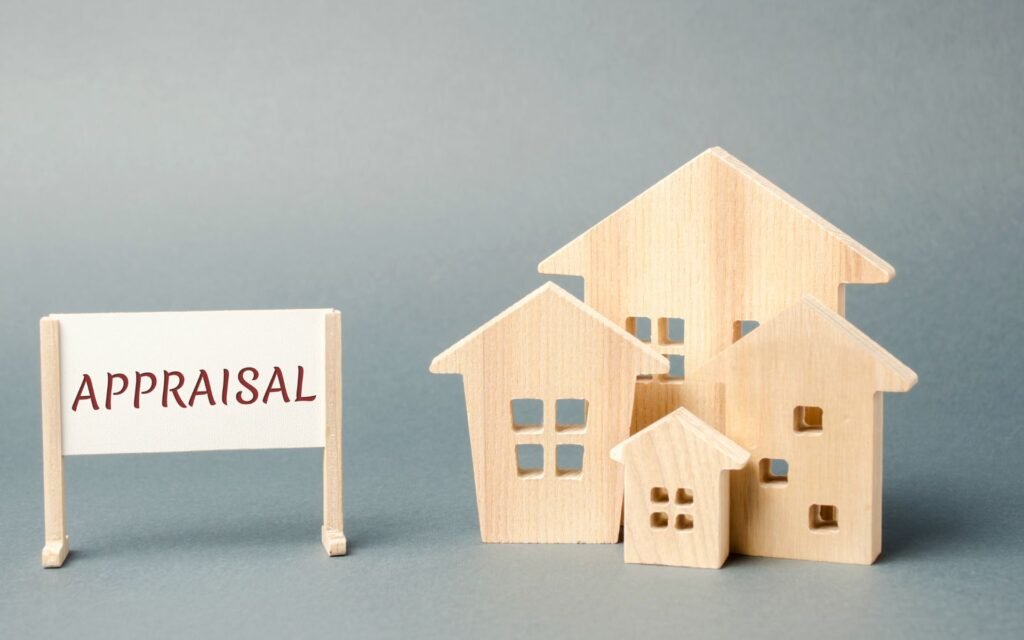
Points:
[(332, 535), (56, 538)]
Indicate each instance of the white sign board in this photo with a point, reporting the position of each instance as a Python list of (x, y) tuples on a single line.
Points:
[(191, 381)]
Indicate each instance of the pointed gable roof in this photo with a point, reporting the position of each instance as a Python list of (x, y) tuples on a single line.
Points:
[(812, 327), (731, 455), (550, 294), (700, 179)]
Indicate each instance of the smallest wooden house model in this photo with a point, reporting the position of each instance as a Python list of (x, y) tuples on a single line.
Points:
[(677, 492), (549, 391)]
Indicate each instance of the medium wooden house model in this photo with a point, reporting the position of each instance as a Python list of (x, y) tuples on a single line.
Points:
[(703, 254), (677, 492), (552, 354), (803, 395)]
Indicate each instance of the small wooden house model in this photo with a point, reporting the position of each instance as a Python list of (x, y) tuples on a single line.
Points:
[(577, 371), (677, 492), (803, 395), (697, 258)]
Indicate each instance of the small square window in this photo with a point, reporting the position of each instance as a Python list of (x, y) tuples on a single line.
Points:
[(569, 460), (741, 328), (530, 460), (527, 414), (571, 414), (640, 327), (773, 471), (684, 522), (824, 517), (659, 495), (659, 520), (807, 420), (684, 496), (671, 330), (676, 367)]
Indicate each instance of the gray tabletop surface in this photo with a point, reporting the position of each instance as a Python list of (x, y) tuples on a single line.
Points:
[(410, 164)]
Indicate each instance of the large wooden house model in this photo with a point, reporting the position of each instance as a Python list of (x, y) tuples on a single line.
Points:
[(803, 394), (549, 387), (700, 256)]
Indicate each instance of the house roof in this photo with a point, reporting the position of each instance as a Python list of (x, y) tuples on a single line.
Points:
[(734, 455), (811, 320), (570, 258), (448, 361)]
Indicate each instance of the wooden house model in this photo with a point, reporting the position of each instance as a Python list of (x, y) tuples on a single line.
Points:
[(555, 355), (677, 492), (700, 256), (803, 395)]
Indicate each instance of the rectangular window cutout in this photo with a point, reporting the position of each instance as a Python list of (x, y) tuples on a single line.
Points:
[(659, 495), (824, 517), (527, 414), (530, 460), (807, 420), (571, 414), (676, 367), (671, 330), (773, 471), (640, 327), (684, 522), (684, 496), (569, 460), (659, 520), (741, 328)]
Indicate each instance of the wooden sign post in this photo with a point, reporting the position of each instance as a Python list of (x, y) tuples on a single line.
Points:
[(190, 381)]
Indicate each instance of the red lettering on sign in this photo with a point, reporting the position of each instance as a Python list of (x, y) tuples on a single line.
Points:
[(81, 395)]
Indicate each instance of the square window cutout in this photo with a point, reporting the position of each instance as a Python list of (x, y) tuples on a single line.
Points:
[(530, 460), (684, 522), (824, 517), (659, 495), (569, 460), (807, 420), (527, 414), (684, 496), (773, 471), (571, 414), (640, 327), (671, 330), (741, 328), (676, 367), (659, 520)]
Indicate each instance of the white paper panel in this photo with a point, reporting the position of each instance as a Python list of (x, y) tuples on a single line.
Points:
[(98, 344)]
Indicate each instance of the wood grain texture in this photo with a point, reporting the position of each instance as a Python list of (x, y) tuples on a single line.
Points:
[(549, 346), (55, 549), (332, 534), (714, 243), (805, 387), (677, 492)]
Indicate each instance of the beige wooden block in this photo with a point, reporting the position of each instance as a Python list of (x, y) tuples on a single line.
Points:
[(805, 388), (332, 534), (677, 492), (551, 351), (710, 246), (56, 546)]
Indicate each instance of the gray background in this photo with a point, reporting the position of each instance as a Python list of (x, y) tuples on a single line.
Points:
[(411, 164)]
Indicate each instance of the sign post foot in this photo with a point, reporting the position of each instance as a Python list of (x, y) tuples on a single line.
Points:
[(334, 541), (55, 552)]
